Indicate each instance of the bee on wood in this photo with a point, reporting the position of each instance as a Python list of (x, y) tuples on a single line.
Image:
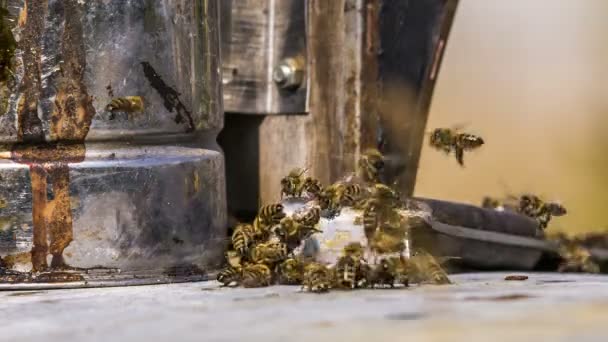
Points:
[(317, 278), (451, 140), (256, 275), (371, 165), (230, 276), (534, 207), (291, 272), (268, 216), (127, 104), (242, 238), (292, 185), (269, 253), (424, 268)]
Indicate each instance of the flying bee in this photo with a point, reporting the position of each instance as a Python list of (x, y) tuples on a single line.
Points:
[(371, 165), (269, 253), (451, 140), (127, 104), (490, 203), (242, 237), (424, 268), (291, 272), (292, 185), (534, 207), (268, 216), (230, 276), (317, 278), (256, 275)]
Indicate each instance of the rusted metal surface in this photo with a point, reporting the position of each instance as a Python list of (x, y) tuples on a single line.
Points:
[(257, 36), (87, 189)]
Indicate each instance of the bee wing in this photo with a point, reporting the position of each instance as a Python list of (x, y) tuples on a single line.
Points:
[(460, 126)]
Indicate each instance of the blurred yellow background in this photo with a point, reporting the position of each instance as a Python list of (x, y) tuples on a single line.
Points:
[(531, 77)]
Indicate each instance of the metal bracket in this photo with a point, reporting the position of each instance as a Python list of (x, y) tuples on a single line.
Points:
[(264, 56)]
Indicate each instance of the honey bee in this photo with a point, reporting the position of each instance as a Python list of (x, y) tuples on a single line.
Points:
[(351, 268), (424, 268), (348, 194), (370, 220), (383, 242), (311, 217), (491, 203), (329, 202), (312, 186), (389, 271), (371, 164), (242, 237), (291, 272), (292, 232), (269, 253), (576, 259), (230, 276), (317, 278), (268, 216), (292, 185), (127, 104), (346, 272), (450, 140), (534, 207), (386, 196), (256, 275)]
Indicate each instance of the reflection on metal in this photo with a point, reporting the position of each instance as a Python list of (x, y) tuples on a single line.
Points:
[(134, 193), (256, 36)]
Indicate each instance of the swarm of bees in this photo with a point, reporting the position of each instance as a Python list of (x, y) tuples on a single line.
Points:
[(264, 252), (451, 140)]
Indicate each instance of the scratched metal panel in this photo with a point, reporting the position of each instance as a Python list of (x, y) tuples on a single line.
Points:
[(256, 36), (88, 195)]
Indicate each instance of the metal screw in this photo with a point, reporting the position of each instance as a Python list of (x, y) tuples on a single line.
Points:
[(288, 74)]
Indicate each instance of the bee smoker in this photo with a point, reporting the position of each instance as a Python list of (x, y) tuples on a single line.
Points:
[(94, 194)]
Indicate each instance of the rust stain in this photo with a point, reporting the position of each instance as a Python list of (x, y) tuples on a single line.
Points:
[(13, 259), (30, 125), (22, 16), (70, 121), (58, 277)]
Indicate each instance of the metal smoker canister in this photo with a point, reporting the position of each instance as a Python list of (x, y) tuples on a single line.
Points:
[(93, 197)]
